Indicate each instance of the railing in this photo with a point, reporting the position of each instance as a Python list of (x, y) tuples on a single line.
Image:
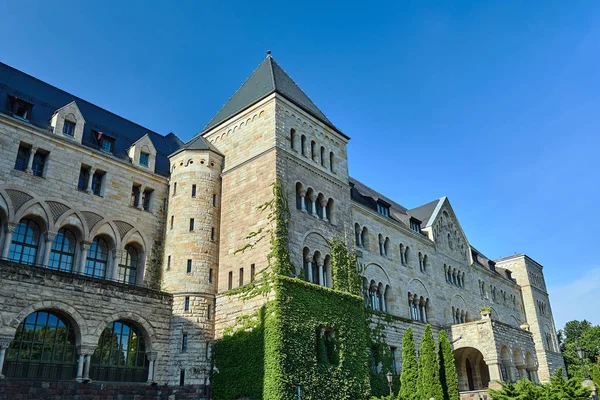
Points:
[(71, 272), (118, 374), (39, 370)]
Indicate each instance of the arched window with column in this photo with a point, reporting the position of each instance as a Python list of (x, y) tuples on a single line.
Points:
[(128, 265), (62, 255), (43, 348), (357, 235), (293, 139), (25, 242), (330, 212), (96, 263), (120, 355), (373, 295), (364, 237), (313, 150), (322, 155)]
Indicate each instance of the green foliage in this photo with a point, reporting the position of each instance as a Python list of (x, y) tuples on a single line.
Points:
[(448, 375), (239, 359), (595, 375), (408, 377), (579, 334), (559, 388), (381, 357), (344, 268), (270, 353), (428, 381)]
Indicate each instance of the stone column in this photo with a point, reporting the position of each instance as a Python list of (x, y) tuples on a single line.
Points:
[(30, 160), (111, 272), (309, 277), (79, 376), (495, 374), (320, 265), (10, 229), (302, 195), (324, 205), (85, 246), (89, 182), (313, 199), (152, 359), (140, 205), (86, 371), (48, 248), (3, 347)]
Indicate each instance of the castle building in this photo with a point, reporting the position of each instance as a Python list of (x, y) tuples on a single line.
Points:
[(119, 258)]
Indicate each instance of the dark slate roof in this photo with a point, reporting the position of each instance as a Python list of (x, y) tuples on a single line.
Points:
[(198, 143), (47, 99), (266, 79), (423, 213)]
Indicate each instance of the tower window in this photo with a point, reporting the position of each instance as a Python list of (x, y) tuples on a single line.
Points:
[(172, 220), (230, 281), (69, 128), (184, 342), (214, 200), (189, 266), (174, 188), (181, 377), (241, 279), (193, 190), (209, 312), (168, 263), (191, 224), (210, 275), (252, 272), (186, 306), (212, 233)]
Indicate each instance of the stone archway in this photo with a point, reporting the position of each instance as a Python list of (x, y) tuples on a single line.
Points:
[(473, 372)]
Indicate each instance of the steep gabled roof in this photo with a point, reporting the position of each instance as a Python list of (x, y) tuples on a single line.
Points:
[(266, 79), (426, 211)]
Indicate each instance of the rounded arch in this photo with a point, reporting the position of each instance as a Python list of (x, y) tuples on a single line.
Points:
[(145, 328), (315, 240), (135, 236), (106, 228), (417, 286), (73, 220), (458, 300), (377, 272), (77, 321)]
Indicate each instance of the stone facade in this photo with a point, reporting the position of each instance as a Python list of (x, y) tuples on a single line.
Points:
[(184, 211)]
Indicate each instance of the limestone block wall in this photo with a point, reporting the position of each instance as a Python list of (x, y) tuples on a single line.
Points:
[(430, 281), (191, 261), (90, 305), (529, 275), (248, 144), (310, 176), (54, 201)]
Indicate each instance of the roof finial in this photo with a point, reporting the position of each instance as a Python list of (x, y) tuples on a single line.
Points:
[(268, 53)]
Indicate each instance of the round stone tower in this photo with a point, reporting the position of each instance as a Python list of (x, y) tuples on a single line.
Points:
[(190, 260)]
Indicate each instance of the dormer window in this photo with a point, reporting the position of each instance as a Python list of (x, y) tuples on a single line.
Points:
[(415, 225), (492, 266), (383, 209), (144, 159), (20, 108), (105, 142), (69, 128)]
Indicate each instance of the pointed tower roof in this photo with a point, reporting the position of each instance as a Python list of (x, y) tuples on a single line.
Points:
[(266, 79), (197, 143)]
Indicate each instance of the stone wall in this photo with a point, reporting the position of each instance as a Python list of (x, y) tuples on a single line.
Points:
[(54, 201), (89, 304)]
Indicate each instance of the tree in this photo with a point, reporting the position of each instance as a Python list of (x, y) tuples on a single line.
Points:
[(428, 381), (560, 388), (408, 377), (448, 375), (579, 334), (522, 390)]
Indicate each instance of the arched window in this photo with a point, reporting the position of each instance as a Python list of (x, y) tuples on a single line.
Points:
[(331, 161), (128, 265), (373, 296), (386, 246), (97, 259), (406, 254), (43, 348), (381, 246), (303, 145), (120, 355), (313, 150), (322, 154), (421, 261), (364, 237), (25, 242), (330, 214), (292, 139), (63, 251), (402, 259), (357, 235), (425, 263)]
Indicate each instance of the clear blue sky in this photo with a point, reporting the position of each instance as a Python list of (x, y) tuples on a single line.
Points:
[(491, 103)]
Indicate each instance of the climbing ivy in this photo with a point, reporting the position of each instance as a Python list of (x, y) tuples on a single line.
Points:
[(344, 267)]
